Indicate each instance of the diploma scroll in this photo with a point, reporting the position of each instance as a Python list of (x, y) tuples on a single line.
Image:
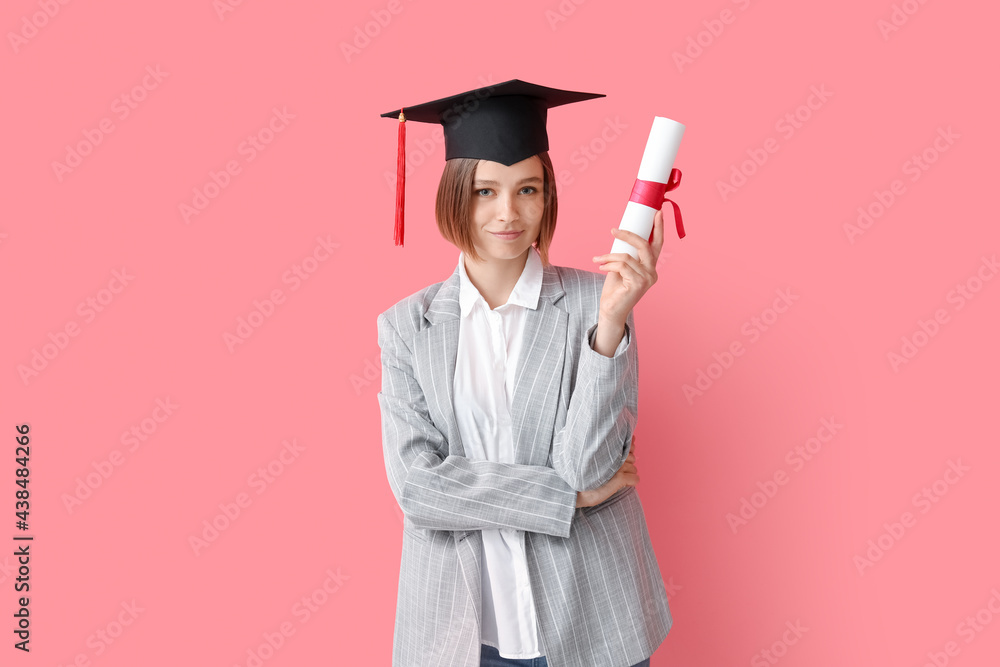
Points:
[(654, 178)]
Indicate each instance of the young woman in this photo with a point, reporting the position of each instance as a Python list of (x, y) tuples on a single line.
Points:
[(509, 403)]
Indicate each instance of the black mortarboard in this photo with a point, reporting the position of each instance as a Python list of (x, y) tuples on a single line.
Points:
[(503, 122)]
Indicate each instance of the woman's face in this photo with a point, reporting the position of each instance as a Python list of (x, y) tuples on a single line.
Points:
[(507, 199)]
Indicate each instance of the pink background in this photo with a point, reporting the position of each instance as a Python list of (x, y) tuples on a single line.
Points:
[(309, 372)]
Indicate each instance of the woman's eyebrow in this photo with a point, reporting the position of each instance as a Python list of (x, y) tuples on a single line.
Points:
[(530, 179)]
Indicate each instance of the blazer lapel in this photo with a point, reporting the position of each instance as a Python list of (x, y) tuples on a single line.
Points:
[(539, 373), (436, 351), (537, 377)]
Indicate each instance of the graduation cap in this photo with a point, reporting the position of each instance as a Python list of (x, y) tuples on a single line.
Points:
[(503, 122)]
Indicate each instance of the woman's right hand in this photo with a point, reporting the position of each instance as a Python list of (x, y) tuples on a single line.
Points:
[(627, 475)]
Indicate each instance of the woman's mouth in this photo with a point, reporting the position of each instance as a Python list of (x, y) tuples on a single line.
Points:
[(506, 236)]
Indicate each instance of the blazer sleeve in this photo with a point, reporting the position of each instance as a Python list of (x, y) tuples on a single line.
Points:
[(453, 492), (602, 414)]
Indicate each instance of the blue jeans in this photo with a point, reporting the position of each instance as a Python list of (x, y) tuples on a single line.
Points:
[(490, 657)]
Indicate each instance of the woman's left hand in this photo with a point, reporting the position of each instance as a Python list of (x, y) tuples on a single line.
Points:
[(629, 278)]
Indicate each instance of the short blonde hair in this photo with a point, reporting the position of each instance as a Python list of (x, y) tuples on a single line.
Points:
[(454, 205)]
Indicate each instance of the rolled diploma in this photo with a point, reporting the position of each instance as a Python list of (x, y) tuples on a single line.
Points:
[(657, 161)]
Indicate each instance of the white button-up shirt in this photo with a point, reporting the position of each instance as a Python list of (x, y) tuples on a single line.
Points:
[(489, 345)]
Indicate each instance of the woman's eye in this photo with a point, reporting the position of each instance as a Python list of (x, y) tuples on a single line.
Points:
[(482, 190), (530, 190)]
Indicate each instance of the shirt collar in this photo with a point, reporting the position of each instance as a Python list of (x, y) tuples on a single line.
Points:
[(525, 292)]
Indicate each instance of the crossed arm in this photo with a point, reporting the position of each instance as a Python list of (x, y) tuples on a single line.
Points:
[(456, 493)]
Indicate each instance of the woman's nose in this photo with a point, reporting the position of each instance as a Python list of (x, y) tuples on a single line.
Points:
[(506, 208)]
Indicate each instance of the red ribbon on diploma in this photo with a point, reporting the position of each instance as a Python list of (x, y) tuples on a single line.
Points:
[(652, 194)]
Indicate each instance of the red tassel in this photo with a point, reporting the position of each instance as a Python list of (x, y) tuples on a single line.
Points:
[(400, 179)]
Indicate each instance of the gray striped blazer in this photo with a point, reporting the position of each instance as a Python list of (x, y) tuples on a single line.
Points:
[(599, 595)]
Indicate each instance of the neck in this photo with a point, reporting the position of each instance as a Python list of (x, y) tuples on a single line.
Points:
[(495, 279)]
